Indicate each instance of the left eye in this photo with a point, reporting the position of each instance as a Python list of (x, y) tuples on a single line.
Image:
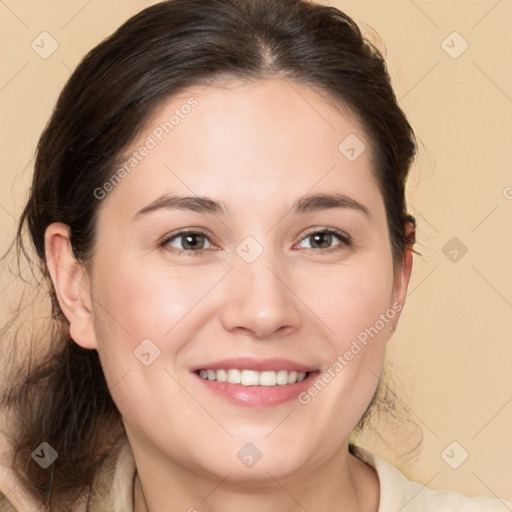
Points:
[(323, 240), (190, 241)]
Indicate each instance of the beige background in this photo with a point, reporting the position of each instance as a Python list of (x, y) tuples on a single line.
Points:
[(453, 348)]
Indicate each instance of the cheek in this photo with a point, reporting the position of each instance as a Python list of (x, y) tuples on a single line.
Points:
[(141, 326), (147, 301), (134, 304), (351, 299), (354, 305)]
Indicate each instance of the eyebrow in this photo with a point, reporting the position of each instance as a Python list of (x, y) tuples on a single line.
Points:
[(305, 204)]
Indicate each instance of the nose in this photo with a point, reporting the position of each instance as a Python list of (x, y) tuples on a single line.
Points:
[(260, 300)]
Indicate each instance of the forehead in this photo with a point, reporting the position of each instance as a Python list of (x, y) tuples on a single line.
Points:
[(247, 140)]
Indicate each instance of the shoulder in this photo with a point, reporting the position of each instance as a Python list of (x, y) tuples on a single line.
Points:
[(12, 496), (112, 487), (399, 493), (5, 504), (14, 499)]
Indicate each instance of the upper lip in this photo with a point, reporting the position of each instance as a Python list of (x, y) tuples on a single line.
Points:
[(260, 365)]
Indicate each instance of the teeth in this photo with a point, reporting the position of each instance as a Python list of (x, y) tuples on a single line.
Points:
[(254, 378), (268, 379), (233, 376), (282, 377), (249, 378)]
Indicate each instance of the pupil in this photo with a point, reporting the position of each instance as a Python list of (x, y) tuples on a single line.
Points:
[(191, 242), (322, 240)]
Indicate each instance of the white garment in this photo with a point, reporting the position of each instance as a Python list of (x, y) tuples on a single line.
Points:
[(398, 494)]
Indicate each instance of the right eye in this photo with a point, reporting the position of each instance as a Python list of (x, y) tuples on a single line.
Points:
[(188, 241)]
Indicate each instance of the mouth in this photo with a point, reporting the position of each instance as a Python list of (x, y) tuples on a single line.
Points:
[(256, 383)]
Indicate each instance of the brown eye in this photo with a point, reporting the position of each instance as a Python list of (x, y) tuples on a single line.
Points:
[(320, 240), (325, 239), (188, 241)]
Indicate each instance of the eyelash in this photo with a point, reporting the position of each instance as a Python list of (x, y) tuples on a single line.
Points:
[(344, 239)]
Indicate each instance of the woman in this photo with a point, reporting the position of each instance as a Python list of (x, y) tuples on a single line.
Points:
[(218, 204)]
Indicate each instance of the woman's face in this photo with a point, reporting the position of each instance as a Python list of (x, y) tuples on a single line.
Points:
[(249, 234)]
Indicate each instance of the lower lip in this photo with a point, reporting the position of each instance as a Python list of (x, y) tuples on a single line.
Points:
[(258, 396)]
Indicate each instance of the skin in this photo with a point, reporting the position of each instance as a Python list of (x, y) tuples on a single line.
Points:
[(256, 147)]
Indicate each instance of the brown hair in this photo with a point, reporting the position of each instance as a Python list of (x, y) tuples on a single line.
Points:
[(63, 399)]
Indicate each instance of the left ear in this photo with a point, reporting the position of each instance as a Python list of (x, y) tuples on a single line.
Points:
[(403, 274)]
